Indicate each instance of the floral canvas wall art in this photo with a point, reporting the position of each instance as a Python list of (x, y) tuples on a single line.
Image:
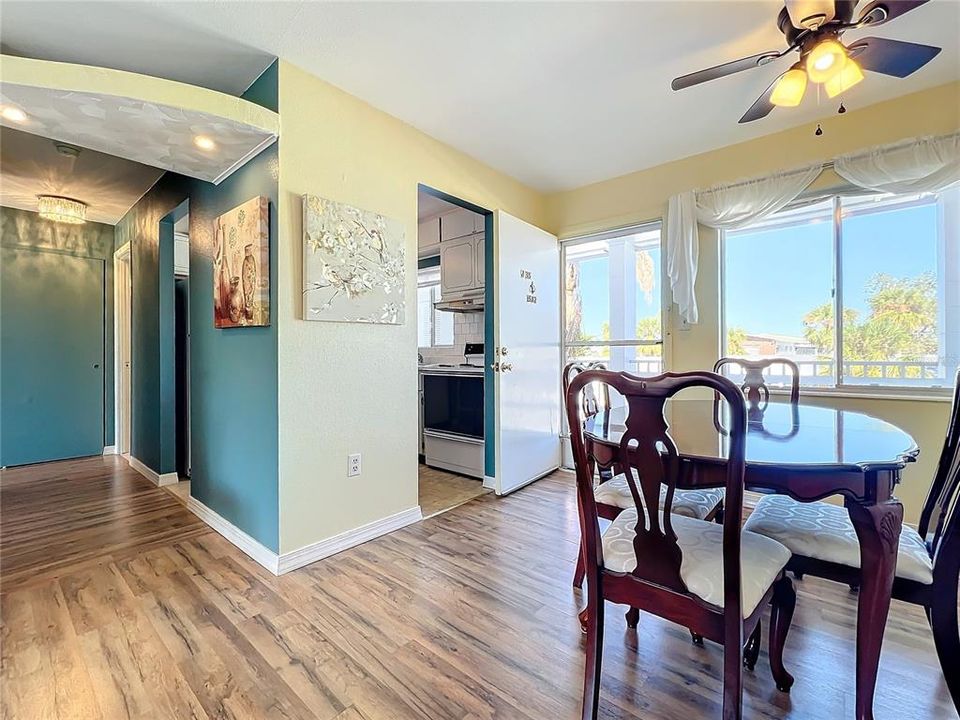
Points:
[(241, 266), (352, 264)]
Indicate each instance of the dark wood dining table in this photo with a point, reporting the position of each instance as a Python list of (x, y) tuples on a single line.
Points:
[(809, 453)]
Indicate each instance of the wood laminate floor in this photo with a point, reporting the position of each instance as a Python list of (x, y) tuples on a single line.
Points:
[(441, 490), (468, 615)]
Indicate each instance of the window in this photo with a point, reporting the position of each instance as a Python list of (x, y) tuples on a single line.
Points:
[(857, 290), (612, 300), (434, 329)]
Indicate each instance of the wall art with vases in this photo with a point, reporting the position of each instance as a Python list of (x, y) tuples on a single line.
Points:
[(353, 264), (241, 266)]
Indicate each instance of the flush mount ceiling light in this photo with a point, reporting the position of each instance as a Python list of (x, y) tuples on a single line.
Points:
[(13, 114), (204, 143), (814, 29), (61, 209)]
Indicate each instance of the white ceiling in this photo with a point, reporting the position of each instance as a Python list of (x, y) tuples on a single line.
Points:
[(32, 166), (151, 133), (555, 94)]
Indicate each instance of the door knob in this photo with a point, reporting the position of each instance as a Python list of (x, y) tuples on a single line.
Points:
[(96, 366), (506, 367)]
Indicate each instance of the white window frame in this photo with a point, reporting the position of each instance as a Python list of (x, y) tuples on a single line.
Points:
[(433, 312), (567, 243), (948, 264)]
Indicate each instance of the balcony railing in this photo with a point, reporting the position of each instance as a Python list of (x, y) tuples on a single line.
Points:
[(820, 372)]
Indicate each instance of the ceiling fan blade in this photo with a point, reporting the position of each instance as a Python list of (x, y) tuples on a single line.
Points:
[(892, 9), (762, 107), (719, 71), (891, 57)]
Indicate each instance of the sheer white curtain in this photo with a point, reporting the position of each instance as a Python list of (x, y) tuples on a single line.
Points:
[(729, 207), (917, 166)]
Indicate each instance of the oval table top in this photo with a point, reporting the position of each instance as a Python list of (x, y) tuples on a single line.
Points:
[(781, 435)]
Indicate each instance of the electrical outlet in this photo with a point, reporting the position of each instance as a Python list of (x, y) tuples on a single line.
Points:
[(353, 465)]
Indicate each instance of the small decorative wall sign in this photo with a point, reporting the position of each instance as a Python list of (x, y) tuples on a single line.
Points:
[(241, 266), (353, 264), (532, 288)]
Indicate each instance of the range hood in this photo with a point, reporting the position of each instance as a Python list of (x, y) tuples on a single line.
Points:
[(461, 305)]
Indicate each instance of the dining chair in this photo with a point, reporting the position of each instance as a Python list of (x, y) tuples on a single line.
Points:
[(714, 579), (824, 544), (612, 492), (754, 385)]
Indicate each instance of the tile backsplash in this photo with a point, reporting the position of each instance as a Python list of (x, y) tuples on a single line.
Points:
[(467, 327)]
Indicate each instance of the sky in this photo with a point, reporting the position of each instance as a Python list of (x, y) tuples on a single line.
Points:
[(774, 278)]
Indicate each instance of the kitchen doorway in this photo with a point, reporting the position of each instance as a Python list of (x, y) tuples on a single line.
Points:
[(451, 332)]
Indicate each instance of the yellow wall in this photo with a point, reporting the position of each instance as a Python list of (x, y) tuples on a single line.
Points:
[(346, 388), (643, 196)]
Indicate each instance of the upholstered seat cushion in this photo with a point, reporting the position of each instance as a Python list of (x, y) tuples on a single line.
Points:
[(701, 569), (691, 503), (823, 531)]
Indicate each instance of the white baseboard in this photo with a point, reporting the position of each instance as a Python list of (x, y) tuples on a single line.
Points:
[(109, 449), (151, 475), (345, 540), (263, 555), (489, 483)]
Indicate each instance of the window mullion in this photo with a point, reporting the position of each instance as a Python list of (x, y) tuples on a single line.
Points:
[(837, 291)]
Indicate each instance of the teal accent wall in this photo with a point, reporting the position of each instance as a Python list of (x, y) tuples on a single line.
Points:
[(153, 425), (233, 371), (26, 230)]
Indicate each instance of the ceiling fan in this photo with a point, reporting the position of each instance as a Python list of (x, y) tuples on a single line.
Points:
[(813, 28)]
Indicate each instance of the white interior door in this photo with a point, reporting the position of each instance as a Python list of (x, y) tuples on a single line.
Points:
[(527, 348), (122, 353)]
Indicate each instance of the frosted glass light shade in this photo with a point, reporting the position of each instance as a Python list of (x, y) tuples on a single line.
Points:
[(789, 90), (850, 74)]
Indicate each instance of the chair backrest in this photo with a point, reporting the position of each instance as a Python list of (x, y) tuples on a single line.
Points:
[(940, 516), (595, 397), (648, 457), (754, 386)]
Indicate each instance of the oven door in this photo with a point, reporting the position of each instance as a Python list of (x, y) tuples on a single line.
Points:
[(453, 404)]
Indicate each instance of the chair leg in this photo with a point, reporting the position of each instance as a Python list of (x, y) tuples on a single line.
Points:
[(752, 650), (633, 618), (594, 656), (581, 570), (732, 680), (946, 639), (784, 601)]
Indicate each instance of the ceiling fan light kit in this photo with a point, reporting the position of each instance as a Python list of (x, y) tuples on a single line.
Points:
[(813, 28), (790, 87), (850, 74)]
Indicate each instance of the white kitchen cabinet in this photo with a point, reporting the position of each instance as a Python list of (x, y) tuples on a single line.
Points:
[(428, 238), (479, 260), (458, 274), (457, 224)]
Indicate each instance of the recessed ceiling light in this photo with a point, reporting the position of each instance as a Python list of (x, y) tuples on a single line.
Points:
[(14, 114), (204, 143)]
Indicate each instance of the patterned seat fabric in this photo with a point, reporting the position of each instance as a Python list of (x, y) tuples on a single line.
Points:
[(823, 531), (701, 569), (689, 503)]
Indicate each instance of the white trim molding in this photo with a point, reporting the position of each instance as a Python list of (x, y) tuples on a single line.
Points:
[(263, 555), (158, 479), (109, 449), (348, 539)]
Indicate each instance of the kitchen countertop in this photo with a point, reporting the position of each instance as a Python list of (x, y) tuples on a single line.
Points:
[(445, 369)]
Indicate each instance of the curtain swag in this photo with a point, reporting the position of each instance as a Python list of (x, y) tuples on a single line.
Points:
[(920, 165)]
